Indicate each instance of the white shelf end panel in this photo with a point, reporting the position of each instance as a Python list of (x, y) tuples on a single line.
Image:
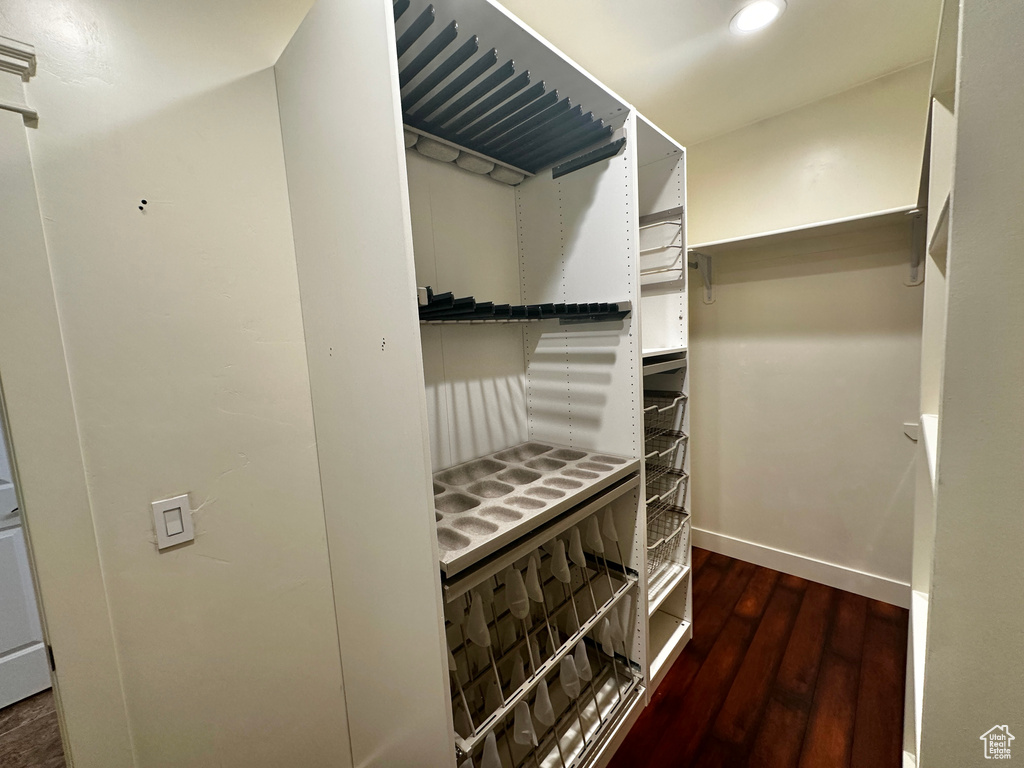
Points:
[(667, 636)]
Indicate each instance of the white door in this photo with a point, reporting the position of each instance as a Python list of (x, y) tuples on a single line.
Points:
[(23, 665)]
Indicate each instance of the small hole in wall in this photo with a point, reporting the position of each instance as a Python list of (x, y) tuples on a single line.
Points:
[(144, 204), (382, 343)]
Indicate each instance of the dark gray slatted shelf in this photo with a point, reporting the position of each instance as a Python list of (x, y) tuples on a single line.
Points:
[(445, 308), (491, 108)]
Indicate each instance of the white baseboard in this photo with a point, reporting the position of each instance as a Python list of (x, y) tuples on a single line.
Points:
[(838, 576)]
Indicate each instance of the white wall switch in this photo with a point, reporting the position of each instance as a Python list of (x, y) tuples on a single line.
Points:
[(172, 519)]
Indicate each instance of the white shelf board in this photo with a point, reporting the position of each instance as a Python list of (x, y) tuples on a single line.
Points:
[(664, 584), (667, 635), (664, 366), (930, 435), (940, 237), (816, 229), (653, 144), (659, 351), (919, 633)]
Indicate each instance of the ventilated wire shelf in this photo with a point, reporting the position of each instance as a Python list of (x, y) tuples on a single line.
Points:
[(667, 533), (473, 100), (665, 452), (663, 412)]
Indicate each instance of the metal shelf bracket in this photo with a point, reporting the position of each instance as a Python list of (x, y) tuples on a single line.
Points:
[(704, 265)]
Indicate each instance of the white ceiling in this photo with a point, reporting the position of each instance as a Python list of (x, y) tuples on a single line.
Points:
[(677, 62), (674, 59)]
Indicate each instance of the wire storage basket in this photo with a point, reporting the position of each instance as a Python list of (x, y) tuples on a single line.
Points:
[(665, 491), (663, 412), (664, 453), (667, 534)]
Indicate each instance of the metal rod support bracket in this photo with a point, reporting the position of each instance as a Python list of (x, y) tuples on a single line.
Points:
[(704, 265)]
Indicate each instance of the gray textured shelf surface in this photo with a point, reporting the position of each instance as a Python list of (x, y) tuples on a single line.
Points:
[(486, 503)]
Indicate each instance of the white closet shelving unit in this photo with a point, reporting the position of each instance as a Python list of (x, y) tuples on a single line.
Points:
[(937, 189), (471, 448), (663, 303)]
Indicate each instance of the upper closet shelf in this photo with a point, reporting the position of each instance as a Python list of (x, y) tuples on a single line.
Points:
[(474, 77), (445, 308), (806, 231)]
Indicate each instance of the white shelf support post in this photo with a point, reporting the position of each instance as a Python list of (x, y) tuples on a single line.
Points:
[(917, 244)]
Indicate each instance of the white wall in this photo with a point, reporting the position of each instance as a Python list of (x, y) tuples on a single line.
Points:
[(187, 364), (856, 152), (804, 370), (806, 366)]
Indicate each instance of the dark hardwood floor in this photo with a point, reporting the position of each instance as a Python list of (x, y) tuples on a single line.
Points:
[(780, 673), (29, 734)]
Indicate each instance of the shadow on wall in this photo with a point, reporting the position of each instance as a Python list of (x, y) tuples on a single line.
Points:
[(569, 374), (549, 270)]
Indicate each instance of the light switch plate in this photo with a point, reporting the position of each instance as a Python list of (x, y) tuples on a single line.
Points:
[(172, 519)]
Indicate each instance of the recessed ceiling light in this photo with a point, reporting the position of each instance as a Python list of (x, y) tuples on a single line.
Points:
[(756, 15)]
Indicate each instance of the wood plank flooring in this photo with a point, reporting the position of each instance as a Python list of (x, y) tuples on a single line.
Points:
[(780, 673), (29, 734)]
